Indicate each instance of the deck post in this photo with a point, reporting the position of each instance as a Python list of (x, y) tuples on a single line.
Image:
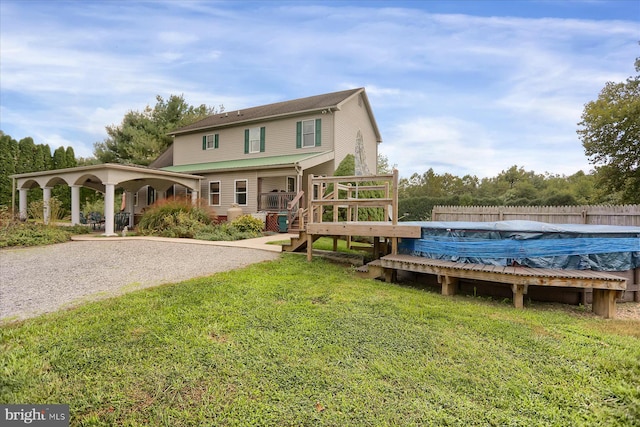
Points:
[(449, 285), (518, 295), (309, 247), (604, 303)]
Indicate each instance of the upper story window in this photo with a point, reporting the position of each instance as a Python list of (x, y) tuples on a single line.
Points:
[(254, 140), (210, 141), (308, 133)]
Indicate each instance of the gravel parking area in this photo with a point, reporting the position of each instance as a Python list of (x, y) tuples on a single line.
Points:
[(47, 278)]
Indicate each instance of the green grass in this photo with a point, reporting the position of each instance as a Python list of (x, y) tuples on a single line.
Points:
[(289, 343)]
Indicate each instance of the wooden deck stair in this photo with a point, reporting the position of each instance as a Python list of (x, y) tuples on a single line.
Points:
[(298, 244)]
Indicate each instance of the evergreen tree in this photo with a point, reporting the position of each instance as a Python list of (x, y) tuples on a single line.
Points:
[(8, 160)]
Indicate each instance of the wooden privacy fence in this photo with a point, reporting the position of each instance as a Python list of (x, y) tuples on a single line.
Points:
[(587, 214)]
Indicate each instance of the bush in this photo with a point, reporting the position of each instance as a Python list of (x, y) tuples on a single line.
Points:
[(224, 232), (29, 234), (175, 218), (36, 210), (248, 224)]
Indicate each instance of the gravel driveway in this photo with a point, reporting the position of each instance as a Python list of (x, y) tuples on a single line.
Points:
[(46, 278)]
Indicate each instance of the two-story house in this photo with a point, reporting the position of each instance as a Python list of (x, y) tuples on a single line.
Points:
[(259, 158)]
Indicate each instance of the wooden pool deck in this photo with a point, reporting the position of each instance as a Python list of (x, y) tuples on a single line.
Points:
[(606, 287)]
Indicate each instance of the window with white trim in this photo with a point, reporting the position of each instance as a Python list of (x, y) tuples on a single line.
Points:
[(291, 184), (214, 193), (308, 133), (241, 191), (254, 140)]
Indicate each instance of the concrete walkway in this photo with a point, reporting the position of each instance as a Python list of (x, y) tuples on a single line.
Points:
[(261, 243)]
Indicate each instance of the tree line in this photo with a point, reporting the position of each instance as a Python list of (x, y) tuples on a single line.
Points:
[(514, 187)]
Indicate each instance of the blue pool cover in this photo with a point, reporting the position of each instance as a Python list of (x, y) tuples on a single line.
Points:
[(529, 243)]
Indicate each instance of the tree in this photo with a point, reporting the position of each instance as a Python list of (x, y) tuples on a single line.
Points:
[(8, 161), (59, 158), (610, 134), (142, 135)]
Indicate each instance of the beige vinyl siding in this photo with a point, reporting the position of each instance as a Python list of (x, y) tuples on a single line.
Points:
[(280, 139), (278, 183), (227, 190), (353, 117)]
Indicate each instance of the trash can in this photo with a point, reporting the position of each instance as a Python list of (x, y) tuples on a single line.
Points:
[(282, 222)]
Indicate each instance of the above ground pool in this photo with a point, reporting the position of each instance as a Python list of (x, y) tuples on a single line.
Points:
[(529, 243)]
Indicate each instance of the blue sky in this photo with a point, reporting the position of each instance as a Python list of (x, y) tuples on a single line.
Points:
[(464, 87)]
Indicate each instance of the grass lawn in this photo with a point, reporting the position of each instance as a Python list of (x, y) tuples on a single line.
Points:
[(289, 343)]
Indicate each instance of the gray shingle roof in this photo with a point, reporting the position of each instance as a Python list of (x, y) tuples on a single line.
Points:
[(295, 106)]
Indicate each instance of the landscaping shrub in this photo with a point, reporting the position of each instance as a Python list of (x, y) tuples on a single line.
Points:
[(248, 224), (224, 232), (175, 218), (16, 233), (36, 210)]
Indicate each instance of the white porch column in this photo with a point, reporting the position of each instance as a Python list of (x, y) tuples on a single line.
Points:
[(194, 197), (109, 199), (22, 203), (46, 195), (75, 204)]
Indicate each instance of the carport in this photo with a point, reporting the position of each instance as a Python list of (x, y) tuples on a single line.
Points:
[(104, 178)]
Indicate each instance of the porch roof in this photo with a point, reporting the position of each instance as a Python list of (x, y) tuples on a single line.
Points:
[(305, 160)]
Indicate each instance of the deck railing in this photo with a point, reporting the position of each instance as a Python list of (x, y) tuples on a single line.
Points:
[(275, 201), (345, 195)]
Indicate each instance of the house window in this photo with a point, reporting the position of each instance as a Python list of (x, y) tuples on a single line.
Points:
[(151, 195), (291, 184), (254, 140), (135, 199), (308, 133), (214, 193), (210, 142), (241, 191)]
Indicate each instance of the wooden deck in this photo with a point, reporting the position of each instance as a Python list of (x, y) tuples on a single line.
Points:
[(365, 228), (606, 287)]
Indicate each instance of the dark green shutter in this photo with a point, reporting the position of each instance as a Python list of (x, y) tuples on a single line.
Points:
[(246, 141), (216, 141), (262, 133), (204, 142), (318, 133), (299, 135)]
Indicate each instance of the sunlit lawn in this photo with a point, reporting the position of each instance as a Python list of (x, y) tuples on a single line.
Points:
[(294, 343)]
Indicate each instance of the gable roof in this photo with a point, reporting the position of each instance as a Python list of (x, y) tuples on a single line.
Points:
[(279, 109)]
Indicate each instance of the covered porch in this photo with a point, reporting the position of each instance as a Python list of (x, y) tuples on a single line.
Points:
[(104, 178)]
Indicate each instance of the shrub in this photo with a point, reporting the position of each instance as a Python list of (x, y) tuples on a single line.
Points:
[(175, 218), (94, 206), (249, 224), (224, 232), (36, 210), (29, 234)]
